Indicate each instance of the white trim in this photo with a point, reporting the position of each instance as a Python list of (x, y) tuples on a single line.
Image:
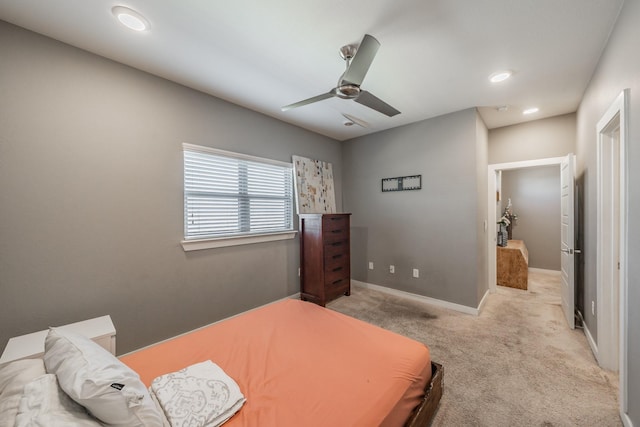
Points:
[(421, 298), (624, 260), (493, 169), (528, 163), (626, 421), (618, 108), (293, 296), (209, 150), (590, 340), (544, 270), (222, 242), (483, 301), (492, 229), (605, 235)]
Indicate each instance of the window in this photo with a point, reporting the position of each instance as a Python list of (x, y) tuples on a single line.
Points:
[(235, 198)]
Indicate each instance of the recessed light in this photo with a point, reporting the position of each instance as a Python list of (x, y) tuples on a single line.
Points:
[(130, 18), (500, 76), (502, 108), (531, 110)]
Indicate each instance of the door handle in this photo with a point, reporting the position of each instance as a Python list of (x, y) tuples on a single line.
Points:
[(571, 251)]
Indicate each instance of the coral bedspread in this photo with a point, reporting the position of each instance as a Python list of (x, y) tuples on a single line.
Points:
[(301, 364)]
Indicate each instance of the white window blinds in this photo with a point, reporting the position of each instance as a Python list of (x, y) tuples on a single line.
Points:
[(228, 194)]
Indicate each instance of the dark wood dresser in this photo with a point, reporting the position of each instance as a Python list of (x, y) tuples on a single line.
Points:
[(325, 261)]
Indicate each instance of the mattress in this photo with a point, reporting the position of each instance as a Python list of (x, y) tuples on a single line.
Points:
[(301, 364)]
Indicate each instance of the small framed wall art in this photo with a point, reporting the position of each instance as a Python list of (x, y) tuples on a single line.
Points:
[(402, 183)]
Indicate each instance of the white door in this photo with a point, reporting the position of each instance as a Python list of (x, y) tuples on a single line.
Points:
[(567, 184)]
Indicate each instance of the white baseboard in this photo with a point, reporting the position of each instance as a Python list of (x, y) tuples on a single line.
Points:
[(626, 421), (590, 340), (421, 298), (542, 270), (482, 302)]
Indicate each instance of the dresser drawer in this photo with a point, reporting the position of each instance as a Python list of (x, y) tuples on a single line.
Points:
[(336, 264), (336, 292), (331, 259), (338, 285), (335, 222), (334, 236), (336, 272), (335, 228), (336, 261), (335, 250)]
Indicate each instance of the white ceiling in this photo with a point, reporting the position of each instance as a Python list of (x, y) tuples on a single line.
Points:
[(435, 55)]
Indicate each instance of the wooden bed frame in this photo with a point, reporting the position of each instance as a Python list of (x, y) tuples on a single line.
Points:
[(423, 414)]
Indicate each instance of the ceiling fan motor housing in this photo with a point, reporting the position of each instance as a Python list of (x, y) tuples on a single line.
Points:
[(349, 51), (348, 91)]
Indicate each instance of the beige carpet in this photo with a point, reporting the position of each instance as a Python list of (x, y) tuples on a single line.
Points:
[(517, 364)]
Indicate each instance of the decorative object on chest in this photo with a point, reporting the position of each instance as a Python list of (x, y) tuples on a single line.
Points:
[(325, 267)]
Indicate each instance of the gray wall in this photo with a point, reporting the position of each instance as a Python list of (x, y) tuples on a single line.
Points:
[(535, 195), (619, 68), (433, 229), (538, 139), (91, 196)]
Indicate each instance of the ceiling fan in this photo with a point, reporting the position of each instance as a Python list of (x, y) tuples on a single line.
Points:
[(358, 59)]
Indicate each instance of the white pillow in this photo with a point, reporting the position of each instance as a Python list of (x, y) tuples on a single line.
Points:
[(44, 404), (97, 380)]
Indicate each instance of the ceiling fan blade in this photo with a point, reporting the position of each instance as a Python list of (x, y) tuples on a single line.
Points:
[(369, 100), (355, 120), (308, 101), (361, 61)]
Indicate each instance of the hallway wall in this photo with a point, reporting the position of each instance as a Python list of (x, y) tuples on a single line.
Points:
[(535, 195)]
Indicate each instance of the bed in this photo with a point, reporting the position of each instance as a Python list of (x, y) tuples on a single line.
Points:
[(301, 364)]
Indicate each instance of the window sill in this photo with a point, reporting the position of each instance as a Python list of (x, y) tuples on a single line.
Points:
[(221, 242)]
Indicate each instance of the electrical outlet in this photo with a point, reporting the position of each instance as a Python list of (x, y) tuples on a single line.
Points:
[(416, 273), (392, 269), (370, 265), (593, 308)]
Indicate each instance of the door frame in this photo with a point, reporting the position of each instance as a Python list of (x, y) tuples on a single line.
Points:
[(616, 113), (492, 229)]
